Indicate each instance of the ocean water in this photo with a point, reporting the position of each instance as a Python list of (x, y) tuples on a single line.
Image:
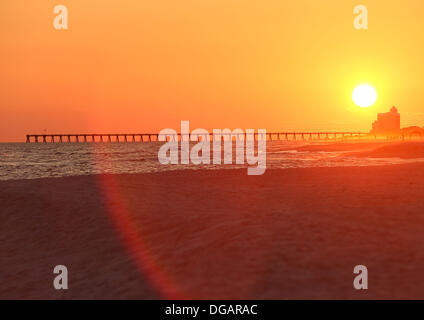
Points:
[(42, 160)]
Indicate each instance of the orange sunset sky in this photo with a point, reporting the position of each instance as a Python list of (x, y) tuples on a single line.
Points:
[(141, 66)]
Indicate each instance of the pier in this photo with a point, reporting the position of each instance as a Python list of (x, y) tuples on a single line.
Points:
[(151, 137)]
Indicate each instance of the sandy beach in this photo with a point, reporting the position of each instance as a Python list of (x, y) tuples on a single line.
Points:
[(216, 234)]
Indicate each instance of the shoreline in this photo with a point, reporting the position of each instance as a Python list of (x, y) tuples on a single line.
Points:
[(81, 160), (165, 172), (414, 161)]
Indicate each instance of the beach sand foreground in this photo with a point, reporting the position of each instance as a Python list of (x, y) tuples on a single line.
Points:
[(216, 234)]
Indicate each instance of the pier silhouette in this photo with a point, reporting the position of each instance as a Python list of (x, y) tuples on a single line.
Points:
[(152, 137)]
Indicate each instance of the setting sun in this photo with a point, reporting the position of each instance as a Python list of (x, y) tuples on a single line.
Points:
[(364, 95)]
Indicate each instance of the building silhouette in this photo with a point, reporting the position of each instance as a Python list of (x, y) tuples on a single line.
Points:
[(413, 132), (387, 123)]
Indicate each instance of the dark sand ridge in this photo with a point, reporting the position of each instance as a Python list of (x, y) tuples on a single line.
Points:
[(295, 233), (404, 150)]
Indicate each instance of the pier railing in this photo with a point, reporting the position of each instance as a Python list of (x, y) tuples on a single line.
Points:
[(151, 137)]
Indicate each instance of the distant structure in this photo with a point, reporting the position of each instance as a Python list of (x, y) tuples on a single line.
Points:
[(387, 124), (413, 132)]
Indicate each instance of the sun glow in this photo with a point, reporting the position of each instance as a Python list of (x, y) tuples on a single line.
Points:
[(364, 95)]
